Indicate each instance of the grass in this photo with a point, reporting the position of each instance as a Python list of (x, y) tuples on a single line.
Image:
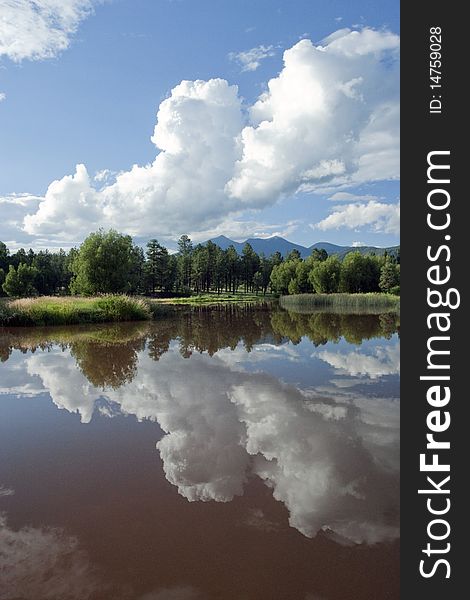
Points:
[(352, 303), (213, 299), (75, 310), (49, 310)]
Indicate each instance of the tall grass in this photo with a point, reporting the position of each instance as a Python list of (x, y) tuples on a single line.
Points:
[(49, 310), (214, 299), (352, 303)]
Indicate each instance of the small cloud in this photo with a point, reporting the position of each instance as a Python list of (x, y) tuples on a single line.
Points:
[(250, 29), (347, 197), (338, 19), (6, 491), (358, 244), (2, 96), (250, 60)]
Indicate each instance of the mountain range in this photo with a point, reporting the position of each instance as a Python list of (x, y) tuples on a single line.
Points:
[(278, 244)]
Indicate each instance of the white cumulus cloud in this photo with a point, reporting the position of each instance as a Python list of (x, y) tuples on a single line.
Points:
[(181, 190), (329, 118), (381, 217), (39, 29), (320, 117)]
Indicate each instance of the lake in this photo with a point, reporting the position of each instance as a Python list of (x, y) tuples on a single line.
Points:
[(235, 453)]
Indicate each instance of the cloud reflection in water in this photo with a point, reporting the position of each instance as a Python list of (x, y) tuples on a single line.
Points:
[(330, 457)]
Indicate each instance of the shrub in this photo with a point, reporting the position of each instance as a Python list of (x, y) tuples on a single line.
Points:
[(123, 308)]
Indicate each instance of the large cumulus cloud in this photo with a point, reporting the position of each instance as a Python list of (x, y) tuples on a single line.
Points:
[(313, 124), (182, 189), (329, 118)]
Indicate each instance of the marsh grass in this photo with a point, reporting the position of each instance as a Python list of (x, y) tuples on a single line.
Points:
[(213, 299), (50, 310), (342, 303)]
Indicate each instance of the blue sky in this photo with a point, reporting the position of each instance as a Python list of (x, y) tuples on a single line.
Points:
[(91, 98)]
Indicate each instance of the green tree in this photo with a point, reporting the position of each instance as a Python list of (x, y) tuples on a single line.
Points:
[(156, 266), (302, 271), (185, 251), (250, 264), (220, 274), (20, 282), (389, 275), (232, 261), (199, 267), (46, 280), (257, 282), (19, 257), (282, 275), (319, 254), (276, 258), (105, 263), (61, 266), (137, 271), (4, 257), (359, 273), (210, 271), (265, 270), (293, 287), (325, 275), (172, 273), (293, 255)]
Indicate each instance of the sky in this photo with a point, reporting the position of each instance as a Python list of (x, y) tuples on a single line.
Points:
[(247, 118)]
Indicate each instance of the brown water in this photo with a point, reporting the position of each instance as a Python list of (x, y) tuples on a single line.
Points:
[(235, 454)]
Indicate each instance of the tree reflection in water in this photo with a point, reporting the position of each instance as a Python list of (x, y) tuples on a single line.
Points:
[(107, 355)]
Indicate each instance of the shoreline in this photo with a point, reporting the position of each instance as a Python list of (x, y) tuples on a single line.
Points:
[(46, 311), (77, 310)]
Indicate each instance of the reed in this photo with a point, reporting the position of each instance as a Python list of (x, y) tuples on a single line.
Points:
[(214, 299), (352, 303)]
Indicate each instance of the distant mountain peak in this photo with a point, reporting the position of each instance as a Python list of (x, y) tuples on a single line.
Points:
[(277, 243)]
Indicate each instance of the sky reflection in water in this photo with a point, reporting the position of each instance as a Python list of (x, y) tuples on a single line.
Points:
[(304, 407)]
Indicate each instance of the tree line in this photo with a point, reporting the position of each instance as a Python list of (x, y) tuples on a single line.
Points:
[(110, 262)]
